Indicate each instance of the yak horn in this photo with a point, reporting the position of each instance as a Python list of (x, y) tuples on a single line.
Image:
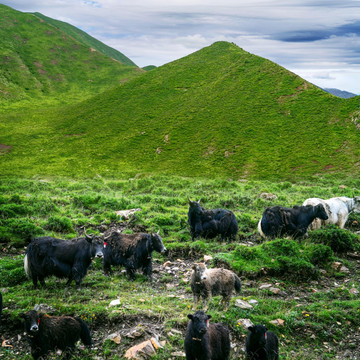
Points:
[(86, 235)]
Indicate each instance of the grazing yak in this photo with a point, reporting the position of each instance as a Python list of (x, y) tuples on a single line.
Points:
[(134, 251), (261, 344), (206, 282), (46, 333), (278, 221), (337, 209), (206, 341), (211, 223), (46, 256)]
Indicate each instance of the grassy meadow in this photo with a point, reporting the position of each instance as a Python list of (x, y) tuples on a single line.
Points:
[(321, 315)]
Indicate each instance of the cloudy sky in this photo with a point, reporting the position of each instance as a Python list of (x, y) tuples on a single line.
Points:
[(317, 39)]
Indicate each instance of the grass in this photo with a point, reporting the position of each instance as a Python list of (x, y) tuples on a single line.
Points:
[(220, 113), (315, 312)]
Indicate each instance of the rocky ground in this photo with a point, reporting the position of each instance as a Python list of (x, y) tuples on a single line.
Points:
[(122, 332)]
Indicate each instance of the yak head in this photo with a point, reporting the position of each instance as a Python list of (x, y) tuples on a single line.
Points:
[(257, 334), (320, 212), (195, 208), (97, 245), (200, 323), (199, 271), (156, 242), (32, 322)]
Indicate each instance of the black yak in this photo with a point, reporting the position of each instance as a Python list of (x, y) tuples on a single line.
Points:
[(211, 223), (278, 221), (261, 344), (46, 333), (206, 341), (134, 251), (46, 256), (206, 282)]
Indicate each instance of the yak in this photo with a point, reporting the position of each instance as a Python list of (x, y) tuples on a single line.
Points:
[(206, 341), (281, 221), (46, 333), (46, 256), (211, 223), (337, 209), (134, 251)]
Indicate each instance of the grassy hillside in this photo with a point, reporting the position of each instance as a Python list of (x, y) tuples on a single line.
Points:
[(219, 112), (87, 40), (39, 60)]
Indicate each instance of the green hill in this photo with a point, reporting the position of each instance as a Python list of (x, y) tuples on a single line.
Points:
[(87, 40), (220, 112), (38, 59)]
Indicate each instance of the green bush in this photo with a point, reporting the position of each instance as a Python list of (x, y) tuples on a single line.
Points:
[(339, 240), (12, 271), (22, 230), (319, 254), (59, 224)]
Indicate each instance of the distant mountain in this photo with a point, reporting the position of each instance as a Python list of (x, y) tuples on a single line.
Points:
[(219, 112), (41, 57), (340, 93)]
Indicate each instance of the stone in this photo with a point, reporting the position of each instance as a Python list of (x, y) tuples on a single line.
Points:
[(207, 258), (354, 291), (115, 337), (245, 323), (265, 286), (274, 290), (268, 196), (44, 308), (115, 302), (253, 302), (242, 304), (126, 214), (344, 269), (140, 351)]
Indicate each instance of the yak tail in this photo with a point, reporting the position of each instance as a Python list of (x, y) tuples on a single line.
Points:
[(237, 283), (85, 333), (27, 266)]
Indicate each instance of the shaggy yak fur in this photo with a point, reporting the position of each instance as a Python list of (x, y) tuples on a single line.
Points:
[(337, 209), (46, 256), (281, 221), (261, 344), (46, 333), (211, 223), (206, 282), (204, 341), (134, 251)]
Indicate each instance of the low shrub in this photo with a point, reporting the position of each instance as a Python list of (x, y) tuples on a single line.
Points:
[(339, 240), (12, 271), (319, 254), (59, 224)]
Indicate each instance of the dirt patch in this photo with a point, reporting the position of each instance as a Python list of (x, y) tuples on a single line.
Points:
[(4, 149)]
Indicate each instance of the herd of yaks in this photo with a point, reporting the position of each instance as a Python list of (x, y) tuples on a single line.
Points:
[(47, 256)]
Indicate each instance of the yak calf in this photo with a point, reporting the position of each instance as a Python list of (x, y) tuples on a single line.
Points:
[(206, 282), (46, 333), (204, 341), (261, 344)]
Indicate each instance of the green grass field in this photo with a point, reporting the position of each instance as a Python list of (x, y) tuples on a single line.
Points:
[(321, 319)]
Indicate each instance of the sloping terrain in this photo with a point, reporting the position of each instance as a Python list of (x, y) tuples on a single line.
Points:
[(87, 40), (217, 112), (39, 60)]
